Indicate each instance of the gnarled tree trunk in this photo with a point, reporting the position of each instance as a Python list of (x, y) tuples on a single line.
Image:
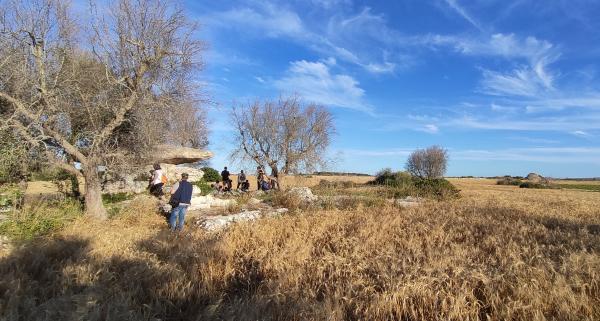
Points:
[(93, 194)]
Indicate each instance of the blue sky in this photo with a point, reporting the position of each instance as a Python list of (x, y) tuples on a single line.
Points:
[(508, 87)]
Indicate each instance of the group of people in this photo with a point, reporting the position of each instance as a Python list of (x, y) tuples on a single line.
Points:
[(263, 181), (181, 192)]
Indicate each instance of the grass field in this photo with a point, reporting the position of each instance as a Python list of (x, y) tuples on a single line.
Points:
[(496, 253)]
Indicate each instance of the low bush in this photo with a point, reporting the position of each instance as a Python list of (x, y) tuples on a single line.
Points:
[(509, 181), (31, 222), (204, 187), (535, 185), (437, 188), (387, 177), (336, 184), (211, 174)]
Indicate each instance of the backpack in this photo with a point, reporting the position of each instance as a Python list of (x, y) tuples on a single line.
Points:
[(163, 179)]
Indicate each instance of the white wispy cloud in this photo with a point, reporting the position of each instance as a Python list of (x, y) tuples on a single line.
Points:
[(463, 13), (259, 79), (429, 128), (316, 82), (581, 133)]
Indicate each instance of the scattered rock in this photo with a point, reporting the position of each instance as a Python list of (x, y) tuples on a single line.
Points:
[(205, 202), (304, 194), (408, 201), (214, 223), (254, 201)]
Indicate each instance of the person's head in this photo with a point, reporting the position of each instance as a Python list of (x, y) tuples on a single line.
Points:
[(156, 166), (225, 167), (242, 171), (184, 176)]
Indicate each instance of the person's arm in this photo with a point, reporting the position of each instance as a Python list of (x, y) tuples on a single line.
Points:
[(174, 188)]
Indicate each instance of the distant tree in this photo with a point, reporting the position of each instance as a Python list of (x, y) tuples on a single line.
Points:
[(285, 135), (428, 163), (102, 92)]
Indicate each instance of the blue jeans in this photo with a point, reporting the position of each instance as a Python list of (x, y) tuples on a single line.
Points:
[(178, 211)]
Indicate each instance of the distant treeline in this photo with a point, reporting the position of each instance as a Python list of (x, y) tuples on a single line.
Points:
[(339, 174)]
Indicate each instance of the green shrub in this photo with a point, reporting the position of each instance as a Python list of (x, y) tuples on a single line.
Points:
[(211, 174), (204, 187), (387, 177), (535, 185), (438, 188), (509, 181), (31, 222)]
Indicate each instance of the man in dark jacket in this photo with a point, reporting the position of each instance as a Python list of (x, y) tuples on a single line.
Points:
[(180, 201), (226, 180)]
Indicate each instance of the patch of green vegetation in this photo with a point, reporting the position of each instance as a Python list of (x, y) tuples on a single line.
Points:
[(402, 184), (585, 187), (36, 221), (507, 180), (536, 185), (116, 198), (211, 174), (204, 186)]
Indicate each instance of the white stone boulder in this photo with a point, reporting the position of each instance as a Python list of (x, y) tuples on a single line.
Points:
[(200, 202), (303, 193)]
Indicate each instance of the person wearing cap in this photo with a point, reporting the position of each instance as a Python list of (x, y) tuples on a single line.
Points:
[(180, 201)]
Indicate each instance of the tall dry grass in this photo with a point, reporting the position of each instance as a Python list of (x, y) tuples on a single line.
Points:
[(498, 253)]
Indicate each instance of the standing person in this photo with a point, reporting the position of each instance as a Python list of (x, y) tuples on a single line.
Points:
[(241, 180), (260, 176), (157, 181), (226, 181), (180, 200)]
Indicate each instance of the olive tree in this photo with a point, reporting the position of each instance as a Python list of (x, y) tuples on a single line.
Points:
[(285, 135), (100, 91), (428, 163)]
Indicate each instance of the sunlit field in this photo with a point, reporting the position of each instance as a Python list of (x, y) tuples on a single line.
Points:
[(495, 253)]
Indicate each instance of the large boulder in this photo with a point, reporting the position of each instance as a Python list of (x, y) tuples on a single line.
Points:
[(167, 154), (303, 193), (174, 172), (536, 178)]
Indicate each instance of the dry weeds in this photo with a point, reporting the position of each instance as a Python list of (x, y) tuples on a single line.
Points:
[(498, 253)]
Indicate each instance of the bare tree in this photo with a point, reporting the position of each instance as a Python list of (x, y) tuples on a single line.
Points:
[(97, 93), (428, 163), (284, 135)]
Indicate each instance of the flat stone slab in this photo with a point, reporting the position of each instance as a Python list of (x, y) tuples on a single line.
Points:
[(179, 155), (215, 223)]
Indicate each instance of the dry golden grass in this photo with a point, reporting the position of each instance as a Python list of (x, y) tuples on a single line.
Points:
[(497, 253), (308, 180)]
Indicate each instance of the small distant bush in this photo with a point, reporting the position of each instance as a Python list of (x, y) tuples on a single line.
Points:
[(394, 179), (509, 181), (406, 185), (438, 188), (335, 184), (535, 185), (211, 174)]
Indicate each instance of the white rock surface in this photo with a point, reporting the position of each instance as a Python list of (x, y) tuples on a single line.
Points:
[(304, 193), (215, 223), (408, 201), (204, 202)]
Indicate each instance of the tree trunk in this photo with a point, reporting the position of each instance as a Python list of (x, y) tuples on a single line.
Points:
[(93, 194)]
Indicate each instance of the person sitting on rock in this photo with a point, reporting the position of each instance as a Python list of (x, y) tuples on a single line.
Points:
[(217, 187), (181, 199)]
